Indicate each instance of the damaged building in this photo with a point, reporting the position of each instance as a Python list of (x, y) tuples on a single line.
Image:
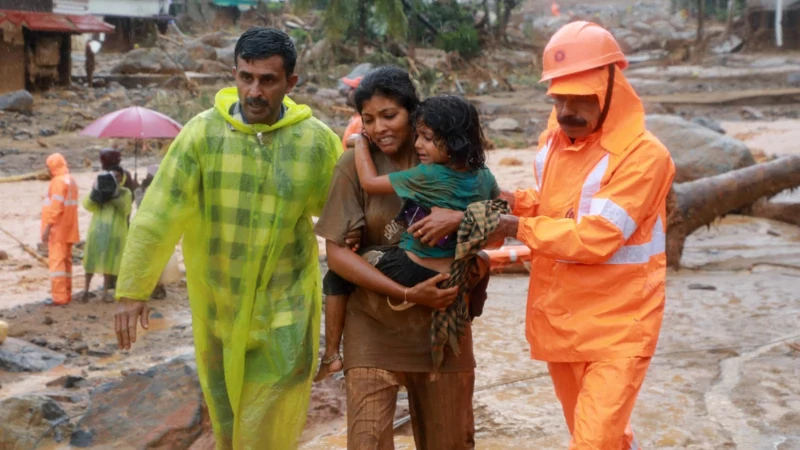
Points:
[(35, 43)]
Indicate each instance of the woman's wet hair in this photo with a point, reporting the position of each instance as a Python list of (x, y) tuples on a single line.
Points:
[(390, 82), (456, 127)]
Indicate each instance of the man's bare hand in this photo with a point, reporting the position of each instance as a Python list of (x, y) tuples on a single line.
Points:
[(428, 294), (508, 227), (353, 239), (440, 223), (129, 312)]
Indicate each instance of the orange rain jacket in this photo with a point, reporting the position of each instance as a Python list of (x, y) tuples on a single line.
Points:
[(61, 205), (595, 223)]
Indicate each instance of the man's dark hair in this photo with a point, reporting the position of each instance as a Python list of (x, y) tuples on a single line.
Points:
[(390, 82), (262, 43), (456, 127)]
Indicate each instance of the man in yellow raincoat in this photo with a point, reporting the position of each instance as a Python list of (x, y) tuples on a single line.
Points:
[(240, 184), (595, 221)]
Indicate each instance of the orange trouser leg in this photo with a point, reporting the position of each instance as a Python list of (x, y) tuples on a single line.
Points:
[(597, 399), (60, 258)]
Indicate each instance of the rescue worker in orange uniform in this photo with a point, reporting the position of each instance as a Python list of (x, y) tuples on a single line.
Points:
[(355, 125), (59, 229), (595, 221)]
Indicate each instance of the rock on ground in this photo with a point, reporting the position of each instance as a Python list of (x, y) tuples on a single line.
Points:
[(698, 152), (26, 419), (20, 101), (505, 124), (146, 60), (17, 355), (162, 407)]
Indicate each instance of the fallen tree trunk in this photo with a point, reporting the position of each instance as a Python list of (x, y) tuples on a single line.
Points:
[(41, 175), (697, 203)]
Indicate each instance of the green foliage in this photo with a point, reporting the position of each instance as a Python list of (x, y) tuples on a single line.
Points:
[(455, 26), (383, 58), (463, 40), (341, 19), (713, 8)]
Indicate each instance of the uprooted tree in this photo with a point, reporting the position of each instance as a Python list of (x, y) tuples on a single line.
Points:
[(698, 203)]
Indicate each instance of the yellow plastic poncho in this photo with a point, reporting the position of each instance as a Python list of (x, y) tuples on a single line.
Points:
[(242, 197), (108, 229)]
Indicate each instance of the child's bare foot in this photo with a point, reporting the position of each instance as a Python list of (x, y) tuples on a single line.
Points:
[(328, 365)]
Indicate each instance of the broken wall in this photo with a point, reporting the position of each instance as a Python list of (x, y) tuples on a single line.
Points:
[(12, 53)]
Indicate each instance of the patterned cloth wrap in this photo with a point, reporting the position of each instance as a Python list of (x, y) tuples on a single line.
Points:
[(480, 221)]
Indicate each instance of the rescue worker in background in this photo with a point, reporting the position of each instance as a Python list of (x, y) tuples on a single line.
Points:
[(111, 157), (595, 223), (240, 184), (59, 228), (355, 125)]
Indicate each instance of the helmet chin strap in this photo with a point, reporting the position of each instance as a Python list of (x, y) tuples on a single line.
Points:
[(604, 113)]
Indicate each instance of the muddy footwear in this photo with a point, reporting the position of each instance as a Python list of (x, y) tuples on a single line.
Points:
[(327, 366)]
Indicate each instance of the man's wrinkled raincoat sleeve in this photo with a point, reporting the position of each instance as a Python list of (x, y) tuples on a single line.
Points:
[(617, 209), (161, 218), (317, 202)]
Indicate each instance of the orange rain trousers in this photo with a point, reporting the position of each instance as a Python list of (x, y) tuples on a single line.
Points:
[(597, 399), (60, 259)]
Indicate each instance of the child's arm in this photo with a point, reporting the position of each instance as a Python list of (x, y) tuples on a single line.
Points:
[(367, 174)]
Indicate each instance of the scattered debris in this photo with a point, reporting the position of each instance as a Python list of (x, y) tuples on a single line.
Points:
[(750, 113), (505, 124), (47, 320), (510, 162), (67, 381), (709, 123), (19, 101), (3, 331), (702, 287), (3, 255), (40, 341), (17, 355), (27, 419), (698, 151)]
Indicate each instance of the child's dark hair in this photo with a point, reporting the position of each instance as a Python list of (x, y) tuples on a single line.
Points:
[(456, 127), (391, 82)]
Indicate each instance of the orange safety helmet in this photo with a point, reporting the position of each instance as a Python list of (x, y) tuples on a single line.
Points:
[(580, 46)]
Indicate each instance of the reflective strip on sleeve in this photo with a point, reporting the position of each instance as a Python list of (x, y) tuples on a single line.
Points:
[(57, 198), (615, 214), (71, 203), (539, 162), (591, 186), (60, 274), (640, 254)]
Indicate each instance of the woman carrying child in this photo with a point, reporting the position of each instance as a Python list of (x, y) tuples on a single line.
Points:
[(110, 204), (387, 343)]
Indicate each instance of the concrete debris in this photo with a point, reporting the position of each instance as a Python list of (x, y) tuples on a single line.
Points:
[(698, 151), (19, 101), (17, 355)]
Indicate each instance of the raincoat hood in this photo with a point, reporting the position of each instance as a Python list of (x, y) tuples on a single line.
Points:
[(57, 165), (625, 119), (226, 98)]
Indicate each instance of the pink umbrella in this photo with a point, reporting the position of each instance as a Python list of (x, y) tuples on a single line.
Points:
[(134, 122)]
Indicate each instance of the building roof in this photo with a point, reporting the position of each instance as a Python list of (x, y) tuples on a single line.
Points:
[(38, 21)]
